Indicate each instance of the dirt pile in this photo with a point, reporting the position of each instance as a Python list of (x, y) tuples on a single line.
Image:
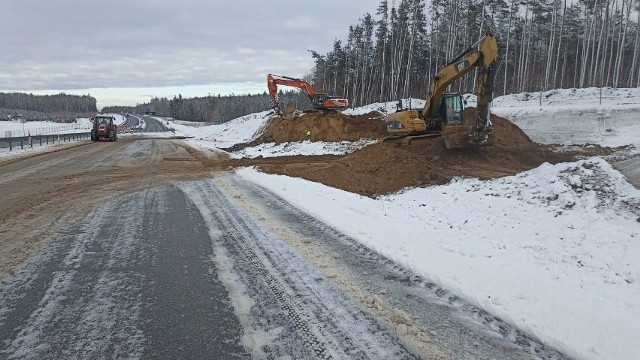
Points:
[(387, 167), (329, 126)]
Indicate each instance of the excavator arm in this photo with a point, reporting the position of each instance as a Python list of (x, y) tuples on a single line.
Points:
[(274, 80), (484, 86)]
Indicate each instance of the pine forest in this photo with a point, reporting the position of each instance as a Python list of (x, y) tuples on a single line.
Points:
[(543, 44)]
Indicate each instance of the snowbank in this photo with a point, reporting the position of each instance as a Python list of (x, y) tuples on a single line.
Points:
[(240, 130), (575, 116), (553, 250)]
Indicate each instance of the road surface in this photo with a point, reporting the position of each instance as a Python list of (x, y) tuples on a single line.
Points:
[(138, 250), (145, 123)]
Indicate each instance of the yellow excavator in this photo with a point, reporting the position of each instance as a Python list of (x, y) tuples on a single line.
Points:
[(443, 112)]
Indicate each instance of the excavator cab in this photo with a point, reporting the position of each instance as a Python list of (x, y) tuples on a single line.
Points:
[(456, 136), (319, 99), (452, 109)]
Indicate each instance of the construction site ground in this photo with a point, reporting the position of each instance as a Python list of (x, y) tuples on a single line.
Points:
[(389, 166)]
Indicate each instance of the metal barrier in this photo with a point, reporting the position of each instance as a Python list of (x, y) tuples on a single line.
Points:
[(48, 130), (41, 140)]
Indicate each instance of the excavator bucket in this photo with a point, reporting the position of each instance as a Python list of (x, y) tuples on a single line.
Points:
[(484, 138), (462, 137), (456, 137)]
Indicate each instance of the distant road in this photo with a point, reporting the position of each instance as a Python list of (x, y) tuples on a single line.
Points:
[(150, 123)]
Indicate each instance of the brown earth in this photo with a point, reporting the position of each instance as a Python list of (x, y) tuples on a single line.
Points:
[(387, 167), (324, 127)]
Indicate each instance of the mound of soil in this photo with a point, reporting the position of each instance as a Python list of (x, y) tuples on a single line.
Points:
[(387, 167), (327, 126)]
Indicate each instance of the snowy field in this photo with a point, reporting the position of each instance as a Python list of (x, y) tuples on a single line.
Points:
[(576, 116), (554, 250)]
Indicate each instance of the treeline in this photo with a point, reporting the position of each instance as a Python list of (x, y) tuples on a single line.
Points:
[(60, 103), (212, 109), (544, 44)]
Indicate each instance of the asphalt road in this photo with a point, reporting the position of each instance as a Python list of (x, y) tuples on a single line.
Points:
[(144, 253), (145, 123)]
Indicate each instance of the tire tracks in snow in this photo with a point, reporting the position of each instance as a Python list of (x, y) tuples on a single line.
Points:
[(431, 321), (317, 313), (78, 297)]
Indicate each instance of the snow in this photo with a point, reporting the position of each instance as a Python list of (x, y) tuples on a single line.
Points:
[(554, 250), (386, 107), (326, 318), (576, 116), (240, 130)]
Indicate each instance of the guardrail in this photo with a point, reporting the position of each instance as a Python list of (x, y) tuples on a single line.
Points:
[(48, 130), (40, 140)]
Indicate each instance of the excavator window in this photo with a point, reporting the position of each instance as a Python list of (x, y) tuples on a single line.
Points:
[(395, 124), (453, 109)]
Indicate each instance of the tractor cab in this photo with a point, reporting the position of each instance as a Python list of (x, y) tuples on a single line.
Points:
[(103, 120), (104, 127)]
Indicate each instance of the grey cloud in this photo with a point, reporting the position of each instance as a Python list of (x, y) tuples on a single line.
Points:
[(79, 44)]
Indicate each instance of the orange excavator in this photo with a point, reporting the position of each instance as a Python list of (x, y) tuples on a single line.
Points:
[(320, 101)]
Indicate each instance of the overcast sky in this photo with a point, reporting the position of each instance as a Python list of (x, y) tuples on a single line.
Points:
[(125, 51)]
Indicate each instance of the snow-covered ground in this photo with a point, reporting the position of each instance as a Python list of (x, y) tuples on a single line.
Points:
[(240, 130), (555, 250), (610, 117)]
